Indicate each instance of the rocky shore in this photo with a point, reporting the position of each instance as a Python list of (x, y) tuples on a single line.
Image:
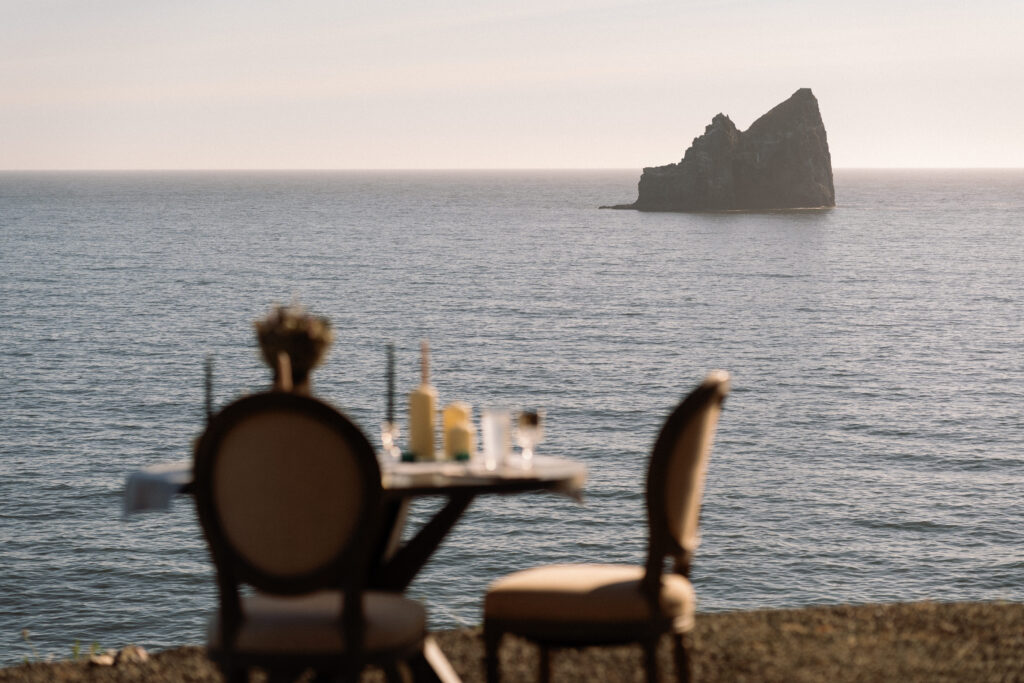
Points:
[(899, 642)]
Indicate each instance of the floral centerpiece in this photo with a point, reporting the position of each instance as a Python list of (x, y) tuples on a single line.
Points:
[(301, 337)]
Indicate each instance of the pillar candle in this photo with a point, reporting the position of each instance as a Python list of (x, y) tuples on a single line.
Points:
[(455, 414), (461, 440)]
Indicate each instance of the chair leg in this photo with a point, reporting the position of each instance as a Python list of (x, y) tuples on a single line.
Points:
[(492, 642), (430, 665), (397, 673), (651, 660), (544, 663), (232, 673), (682, 652)]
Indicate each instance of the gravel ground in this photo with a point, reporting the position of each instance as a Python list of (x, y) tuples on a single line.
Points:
[(901, 642)]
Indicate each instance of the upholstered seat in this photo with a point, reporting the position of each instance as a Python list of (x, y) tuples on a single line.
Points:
[(309, 623), (572, 605), (599, 594)]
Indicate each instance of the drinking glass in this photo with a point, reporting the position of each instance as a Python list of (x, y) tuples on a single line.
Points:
[(529, 433), (496, 426)]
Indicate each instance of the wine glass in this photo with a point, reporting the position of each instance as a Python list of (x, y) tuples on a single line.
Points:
[(529, 433)]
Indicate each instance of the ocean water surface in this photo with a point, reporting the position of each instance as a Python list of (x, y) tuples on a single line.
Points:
[(872, 449)]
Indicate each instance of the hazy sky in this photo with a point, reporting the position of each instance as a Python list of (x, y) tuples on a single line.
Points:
[(482, 84)]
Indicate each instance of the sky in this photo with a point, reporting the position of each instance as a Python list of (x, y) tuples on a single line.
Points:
[(390, 84)]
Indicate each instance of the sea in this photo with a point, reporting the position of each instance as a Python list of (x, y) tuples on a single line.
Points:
[(871, 450)]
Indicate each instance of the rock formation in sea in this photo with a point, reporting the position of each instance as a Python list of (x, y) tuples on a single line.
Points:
[(781, 162)]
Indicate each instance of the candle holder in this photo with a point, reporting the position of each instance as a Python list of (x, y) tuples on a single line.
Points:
[(389, 433)]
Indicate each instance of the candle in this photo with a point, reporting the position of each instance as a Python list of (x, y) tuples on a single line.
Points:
[(208, 384), (457, 414), (423, 411), (391, 383), (460, 440)]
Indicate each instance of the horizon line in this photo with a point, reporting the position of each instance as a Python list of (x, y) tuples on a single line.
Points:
[(468, 169)]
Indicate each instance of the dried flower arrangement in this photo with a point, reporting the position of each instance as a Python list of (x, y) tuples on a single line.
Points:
[(303, 336)]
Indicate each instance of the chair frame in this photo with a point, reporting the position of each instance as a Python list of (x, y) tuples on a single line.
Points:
[(346, 572), (661, 545)]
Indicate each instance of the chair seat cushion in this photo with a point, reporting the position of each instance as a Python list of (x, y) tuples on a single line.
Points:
[(310, 624), (587, 593)]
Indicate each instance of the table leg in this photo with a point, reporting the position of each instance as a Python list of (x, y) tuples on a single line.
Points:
[(393, 519), (397, 570)]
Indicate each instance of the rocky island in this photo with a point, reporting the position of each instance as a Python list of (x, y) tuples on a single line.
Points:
[(781, 162)]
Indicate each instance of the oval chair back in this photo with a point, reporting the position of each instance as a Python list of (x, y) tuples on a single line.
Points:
[(675, 477), (286, 489)]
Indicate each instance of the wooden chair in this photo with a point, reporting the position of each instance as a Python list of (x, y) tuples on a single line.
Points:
[(575, 605), (287, 491)]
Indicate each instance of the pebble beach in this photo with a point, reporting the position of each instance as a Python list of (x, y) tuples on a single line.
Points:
[(921, 641)]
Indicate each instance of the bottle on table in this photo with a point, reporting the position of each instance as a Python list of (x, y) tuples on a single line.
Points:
[(423, 411)]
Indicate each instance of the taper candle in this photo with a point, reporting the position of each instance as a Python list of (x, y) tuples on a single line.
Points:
[(391, 383)]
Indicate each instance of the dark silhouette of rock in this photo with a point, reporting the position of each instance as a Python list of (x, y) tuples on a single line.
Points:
[(781, 162)]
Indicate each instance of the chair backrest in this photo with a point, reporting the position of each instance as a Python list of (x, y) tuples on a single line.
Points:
[(286, 490), (675, 477)]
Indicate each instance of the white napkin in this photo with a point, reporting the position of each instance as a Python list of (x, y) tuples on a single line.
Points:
[(153, 488)]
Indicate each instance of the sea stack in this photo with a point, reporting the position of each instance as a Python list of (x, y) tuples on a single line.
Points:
[(781, 162)]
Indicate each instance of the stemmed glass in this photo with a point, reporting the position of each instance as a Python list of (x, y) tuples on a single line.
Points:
[(529, 433)]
